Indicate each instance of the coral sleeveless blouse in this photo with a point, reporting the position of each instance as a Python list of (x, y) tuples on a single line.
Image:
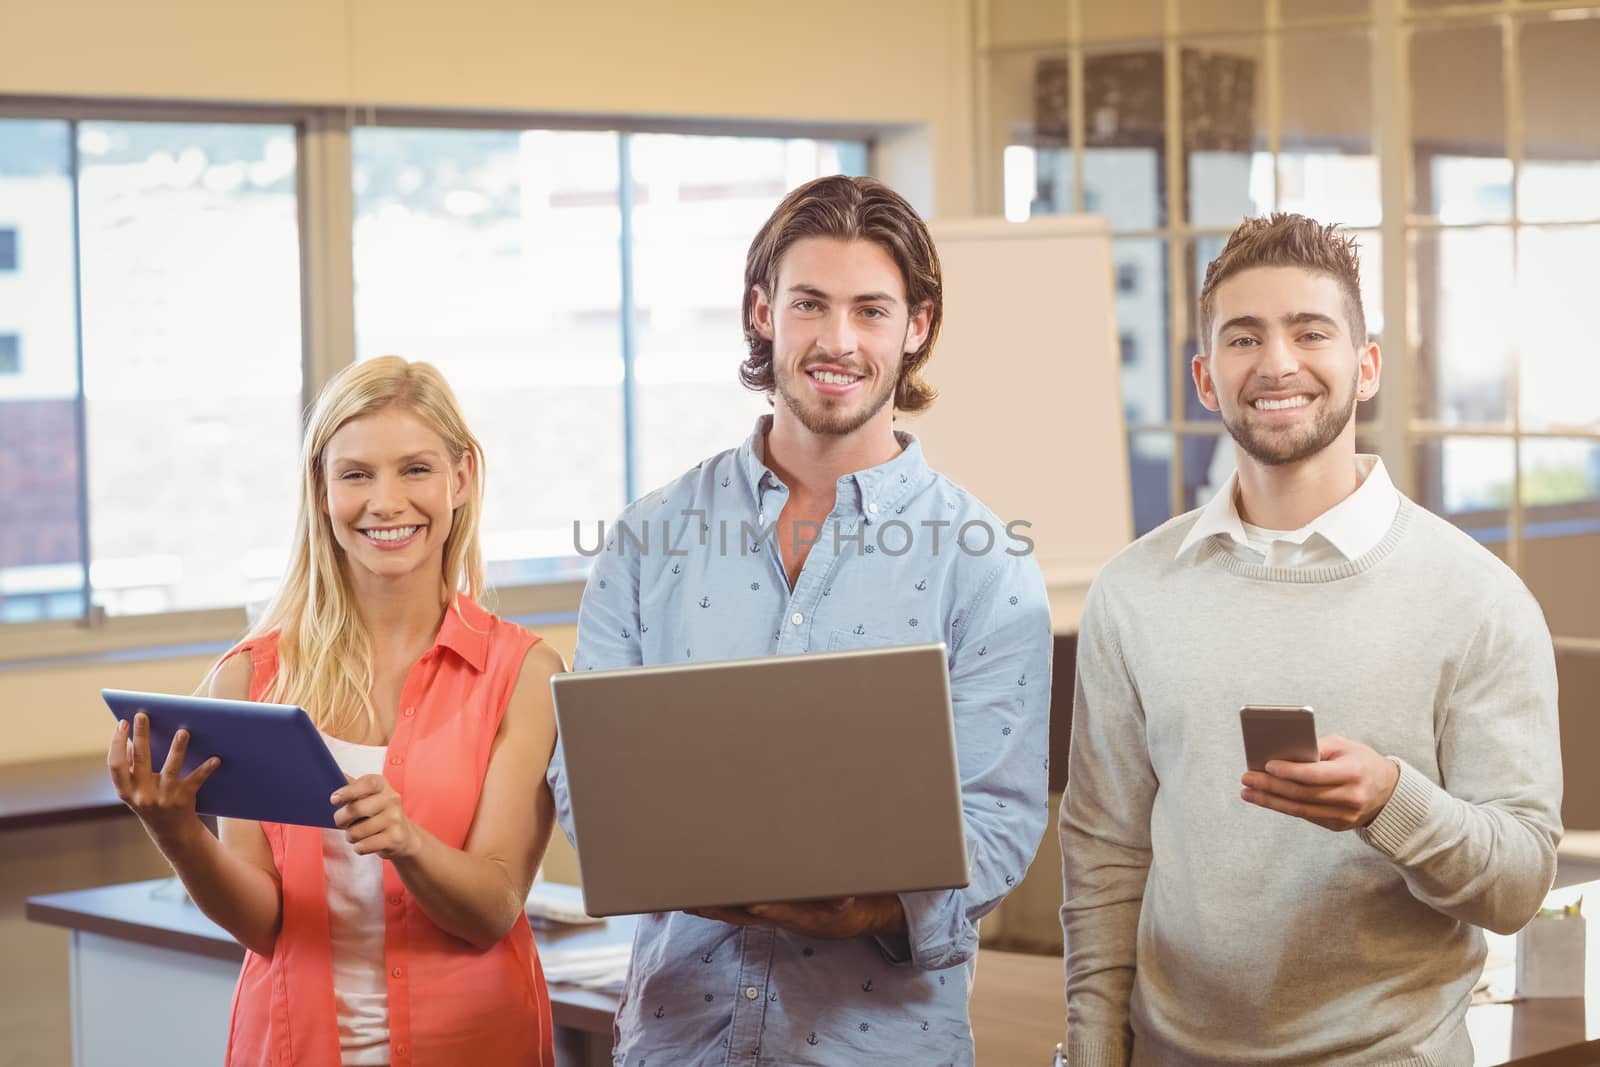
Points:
[(449, 1003)]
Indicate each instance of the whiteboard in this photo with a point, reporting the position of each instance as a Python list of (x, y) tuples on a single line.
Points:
[(1029, 414)]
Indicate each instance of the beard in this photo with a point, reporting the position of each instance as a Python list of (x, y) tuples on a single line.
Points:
[(829, 417), (1277, 447)]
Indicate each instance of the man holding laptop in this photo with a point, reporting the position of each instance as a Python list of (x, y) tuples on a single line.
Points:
[(1210, 915), (827, 531)]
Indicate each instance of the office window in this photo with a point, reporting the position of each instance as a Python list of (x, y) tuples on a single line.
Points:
[(8, 248), (41, 532), (493, 254), (184, 253), (499, 255), (189, 257), (697, 203), (1488, 209)]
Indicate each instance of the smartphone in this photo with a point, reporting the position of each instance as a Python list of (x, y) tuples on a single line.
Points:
[(1278, 731)]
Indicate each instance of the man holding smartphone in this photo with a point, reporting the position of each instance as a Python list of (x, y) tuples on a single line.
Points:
[(1210, 917)]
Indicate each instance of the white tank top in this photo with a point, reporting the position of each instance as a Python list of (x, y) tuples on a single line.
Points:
[(355, 921)]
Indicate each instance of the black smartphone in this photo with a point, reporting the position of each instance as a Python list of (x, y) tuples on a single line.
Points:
[(1278, 731)]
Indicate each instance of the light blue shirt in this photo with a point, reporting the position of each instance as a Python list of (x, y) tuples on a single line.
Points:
[(886, 569)]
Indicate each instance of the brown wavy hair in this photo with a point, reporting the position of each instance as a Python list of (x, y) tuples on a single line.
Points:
[(1287, 240), (848, 209)]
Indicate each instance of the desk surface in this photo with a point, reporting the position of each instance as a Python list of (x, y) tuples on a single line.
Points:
[(1016, 1005), (154, 913), (49, 792)]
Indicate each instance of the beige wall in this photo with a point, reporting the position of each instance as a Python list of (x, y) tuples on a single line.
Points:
[(890, 63)]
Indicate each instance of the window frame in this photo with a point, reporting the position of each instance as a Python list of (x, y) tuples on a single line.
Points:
[(325, 210), (1396, 430)]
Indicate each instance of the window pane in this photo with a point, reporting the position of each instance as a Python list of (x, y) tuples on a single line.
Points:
[(1150, 469), (1328, 169), (1200, 253), (1463, 307), (1123, 20), (698, 202), (1369, 249), (1123, 106), (1561, 531), (1461, 173), (1208, 460), (1225, 132), (41, 531), (1560, 175), (1221, 16), (1140, 265), (1029, 119), (1037, 181), (493, 254), (191, 263), (1467, 480), (1560, 379)]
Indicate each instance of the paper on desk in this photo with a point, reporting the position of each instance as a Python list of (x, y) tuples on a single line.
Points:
[(1497, 983), (602, 968)]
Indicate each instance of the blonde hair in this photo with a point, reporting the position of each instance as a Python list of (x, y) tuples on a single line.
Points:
[(324, 647)]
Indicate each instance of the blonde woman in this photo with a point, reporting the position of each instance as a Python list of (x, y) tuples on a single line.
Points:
[(399, 938)]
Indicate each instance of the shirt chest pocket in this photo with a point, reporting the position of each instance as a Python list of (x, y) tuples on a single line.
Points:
[(845, 640)]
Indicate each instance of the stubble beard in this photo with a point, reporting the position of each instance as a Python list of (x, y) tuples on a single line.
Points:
[(830, 419), (1276, 449)]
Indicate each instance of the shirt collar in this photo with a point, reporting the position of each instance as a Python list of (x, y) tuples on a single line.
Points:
[(875, 492), (1220, 517), (1354, 526), (1357, 523), (465, 631)]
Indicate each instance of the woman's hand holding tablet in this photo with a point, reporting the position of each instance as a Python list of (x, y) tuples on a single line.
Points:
[(373, 819), (274, 766), (163, 800)]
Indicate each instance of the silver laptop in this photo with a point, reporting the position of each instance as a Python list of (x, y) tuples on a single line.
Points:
[(762, 780)]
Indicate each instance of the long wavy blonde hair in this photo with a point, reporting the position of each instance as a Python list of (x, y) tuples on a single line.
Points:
[(324, 647)]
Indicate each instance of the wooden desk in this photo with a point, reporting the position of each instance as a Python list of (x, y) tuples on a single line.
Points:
[(51, 792)]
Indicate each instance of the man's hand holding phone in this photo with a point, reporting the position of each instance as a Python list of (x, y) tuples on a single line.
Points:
[(1344, 790)]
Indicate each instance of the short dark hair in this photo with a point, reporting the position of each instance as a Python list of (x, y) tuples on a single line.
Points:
[(1286, 240), (849, 209)]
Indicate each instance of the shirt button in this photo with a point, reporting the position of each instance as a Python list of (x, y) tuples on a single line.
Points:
[(395, 901), (399, 1050), (410, 712), (797, 618), (396, 972), (761, 518), (752, 993), (873, 507), (395, 761)]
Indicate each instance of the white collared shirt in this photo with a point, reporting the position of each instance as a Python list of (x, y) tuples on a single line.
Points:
[(1348, 530)]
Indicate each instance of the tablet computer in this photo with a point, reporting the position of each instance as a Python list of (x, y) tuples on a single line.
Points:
[(275, 766), (751, 781)]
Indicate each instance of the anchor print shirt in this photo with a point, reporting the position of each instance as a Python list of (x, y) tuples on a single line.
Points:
[(701, 992)]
